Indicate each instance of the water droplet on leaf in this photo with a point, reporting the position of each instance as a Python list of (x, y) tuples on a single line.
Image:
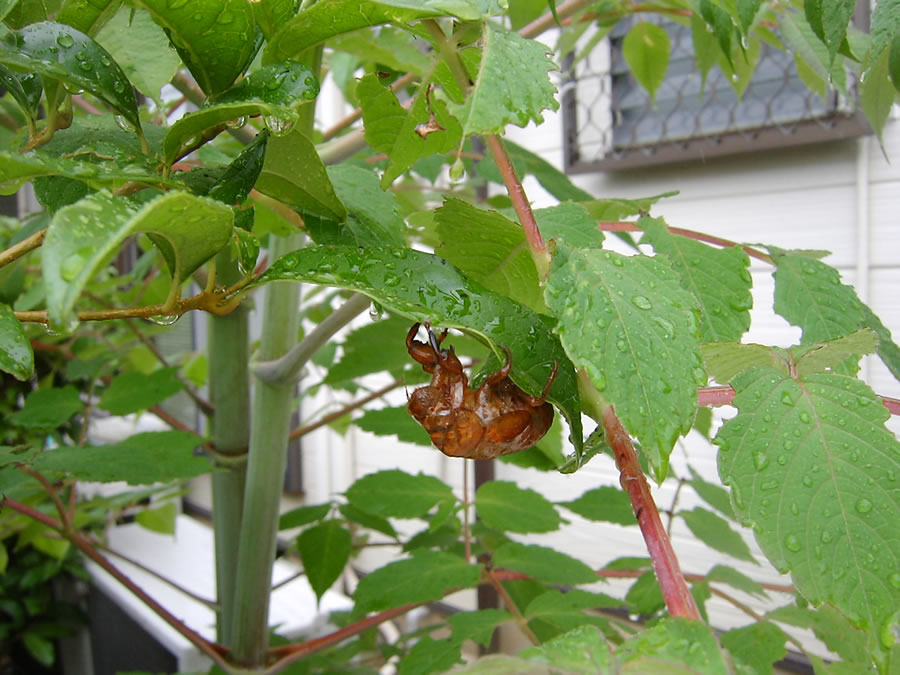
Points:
[(65, 41), (791, 543), (641, 302), (760, 459), (863, 505)]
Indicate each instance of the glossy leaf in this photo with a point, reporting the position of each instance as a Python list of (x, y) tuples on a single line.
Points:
[(757, 646), (511, 86), (233, 184), (570, 223), (675, 643), (216, 39), (543, 564), (303, 515), (25, 88), (631, 325), (137, 391), (717, 277), (810, 465), (604, 504), (373, 215), (426, 289), (394, 422), (324, 551), (646, 50), (582, 650), (273, 14), (160, 520), (16, 354), (88, 16), (275, 92), (58, 51), (82, 237), (142, 459), (505, 506), (48, 408), (425, 577), (747, 11), (715, 532), (885, 26), (478, 626), (397, 494)]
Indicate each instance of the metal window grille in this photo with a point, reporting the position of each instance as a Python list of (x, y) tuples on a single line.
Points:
[(610, 123)]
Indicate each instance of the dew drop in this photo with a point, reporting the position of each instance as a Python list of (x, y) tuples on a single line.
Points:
[(760, 459), (119, 86), (375, 311), (599, 380), (895, 579), (65, 41), (666, 325), (787, 399), (863, 505), (85, 66), (791, 543), (769, 485), (278, 125), (641, 302), (123, 123), (164, 319), (237, 123), (807, 481), (71, 267), (621, 346), (782, 459), (804, 417), (795, 509)]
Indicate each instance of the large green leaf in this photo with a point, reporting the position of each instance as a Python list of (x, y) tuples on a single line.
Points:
[(82, 237), (646, 50), (276, 92), (430, 656), (48, 408), (88, 16), (324, 551), (877, 94), (397, 494), (57, 51), (142, 459), (813, 470), (511, 87), (544, 564), (216, 39), (505, 506), (132, 392), (673, 645), (631, 325), (425, 288), (718, 278), (16, 355)]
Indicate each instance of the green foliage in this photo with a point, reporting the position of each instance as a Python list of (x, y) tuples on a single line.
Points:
[(646, 50), (504, 506)]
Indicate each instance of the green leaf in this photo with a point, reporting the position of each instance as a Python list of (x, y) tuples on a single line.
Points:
[(88, 16), (216, 39), (756, 646), (885, 26), (303, 515), (511, 87), (161, 520), (478, 626), (82, 238), (894, 62), (645, 595), (54, 50), (544, 564), (324, 551), (48, 408), (142, 459), (41, 649), (826, 355), (25, 88), (829, 19), (371, 348), (368, 520), (373, 214), (715, 532), (136, 391), (601, 504), (717, 277), (582, 650), (720, 22), (673, 645), (430, 656), (747, 11), (276, 92), (272, 14), (19, 13), (528, 163), (489, 248), (397, 494), (728, 575), (726, 360), (425, 288), (570, 223), (505, 506), (566, 610), (16, 355), (646, 50), (294, 174), (129, 37), (714, 495), (394, 422), (877, 93), (425, 577), (810, 464), (231, 184), (831, 627), (631, 325), (619, 209), (887, 348)]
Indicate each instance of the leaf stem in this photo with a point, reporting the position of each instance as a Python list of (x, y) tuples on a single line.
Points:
[(511, 606), (25, 246)]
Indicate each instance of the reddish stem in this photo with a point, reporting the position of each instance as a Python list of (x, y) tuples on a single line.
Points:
[(714, 396)]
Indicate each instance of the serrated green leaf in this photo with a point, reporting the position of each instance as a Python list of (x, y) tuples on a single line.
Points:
[(582, 650), (756, 646), (726, 360), (425, 288), (47, 408), (544, 564), (885, 26), (324, 550), (505, 506), (566, 610), (831, 627), (810, 464), (715, 532), (16, 354), (397, 494), (800, 38), (706, 48), (674, 643), (57, 51), (294, 174), (714, 495), (236, 180), (646, 50), (373, 215), (818, 358), (728, 575), (160, 520), (394, 422), (88, 16), (367, 519), (489, 248), (887, 348), (571, 223), (511, 87), (717, 277), (631, 325), (425, 577), (478, 626), (142, 459), (275, 92), (877, 93), (198, 31), (132, 392), (303, 515), (601, 504), (829, 19), (129, 37), (430, 656), (82, 237)]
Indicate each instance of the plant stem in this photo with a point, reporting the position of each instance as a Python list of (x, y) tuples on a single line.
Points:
[(511, 606), (26, 245), (299, 432)]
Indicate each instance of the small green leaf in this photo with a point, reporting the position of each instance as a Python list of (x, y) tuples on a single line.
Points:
[(505, 506), (566, 610), (713, 494), (528, 163), (233, 184), (25, 88), (16, 355), (673, 643), (425, 577), (132, 392), (373, 215), (198, 31), (728, 575), (40, 648), (756, 646), (582, 650), (715, 532), (747, 11), (601, 504), (397, 494), (394, 422), (88, 16), (512, 85), (48, 408), (721, 24), (324, 551), (646, 50), (818, 358), (430, 656), (303, 515), (273, 14), (877, 94), (885, 26), (368, 520), (161, 520), (544, 564), (571, 223), (645, 595), (726, 360), (478, 626), (142, 459), (54, 50)]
